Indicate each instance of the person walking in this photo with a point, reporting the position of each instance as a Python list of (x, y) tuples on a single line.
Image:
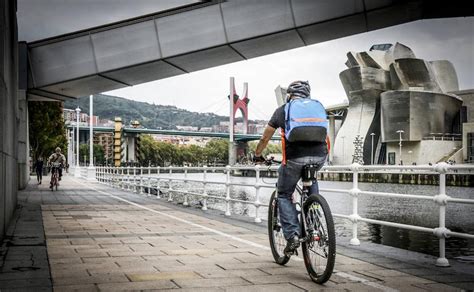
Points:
[(39, 169)]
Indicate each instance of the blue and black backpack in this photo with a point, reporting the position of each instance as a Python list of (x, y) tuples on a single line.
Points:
[(305, 121)]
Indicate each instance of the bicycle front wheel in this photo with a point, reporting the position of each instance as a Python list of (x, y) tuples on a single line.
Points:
[(275, 232), (319, 251)]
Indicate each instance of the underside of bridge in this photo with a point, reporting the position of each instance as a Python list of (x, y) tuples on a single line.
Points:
[(204, 35)]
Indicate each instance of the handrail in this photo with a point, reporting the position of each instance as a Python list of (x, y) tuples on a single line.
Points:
[(143, 180)]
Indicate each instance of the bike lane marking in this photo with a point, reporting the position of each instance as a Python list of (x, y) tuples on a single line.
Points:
[(341, 274)]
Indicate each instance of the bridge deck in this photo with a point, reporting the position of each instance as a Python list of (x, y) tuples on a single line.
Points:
[(87, 236)]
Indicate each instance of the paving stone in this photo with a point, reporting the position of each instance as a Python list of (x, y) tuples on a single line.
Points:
[(163, 276), (24, 275), (440, 287), (271, 279), (265, 288), (216, 282), (155, 285), (106, 278), (24, 283), (383, 273), (76, 288)]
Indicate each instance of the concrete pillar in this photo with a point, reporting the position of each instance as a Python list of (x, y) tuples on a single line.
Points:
[(232, 153), (10, 118)]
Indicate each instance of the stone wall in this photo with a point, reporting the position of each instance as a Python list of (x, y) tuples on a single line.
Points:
[(9, 112)]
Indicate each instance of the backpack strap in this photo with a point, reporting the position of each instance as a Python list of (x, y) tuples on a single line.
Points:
[(283, 146), (287, 115)]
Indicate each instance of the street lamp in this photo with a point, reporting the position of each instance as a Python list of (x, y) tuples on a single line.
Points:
[(372, 149), (77, 172), (400, 144)]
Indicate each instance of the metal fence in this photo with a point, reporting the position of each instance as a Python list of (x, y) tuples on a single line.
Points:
[(144, 180)]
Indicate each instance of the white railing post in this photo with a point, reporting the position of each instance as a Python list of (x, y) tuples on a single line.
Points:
[(141, 180), (158, 182), (227, 187), (128, 178), (185, 203), (158, 188), (170, 189), (204, 201), (257, 194), (114, 176), (442, 200), (149, 186), (354, 192), (121, 178), (134, 183)]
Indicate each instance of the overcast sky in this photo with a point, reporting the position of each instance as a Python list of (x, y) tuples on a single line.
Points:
[(206, 91)]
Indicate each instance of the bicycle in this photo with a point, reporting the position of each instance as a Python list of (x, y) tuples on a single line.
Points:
[(54, 178), (318, 239)]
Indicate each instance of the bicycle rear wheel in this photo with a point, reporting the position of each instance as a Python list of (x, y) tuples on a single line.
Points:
[(319, 251), (275, 232)]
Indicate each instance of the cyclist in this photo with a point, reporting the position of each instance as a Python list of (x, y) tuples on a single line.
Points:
[(295, 156), (56, 161)]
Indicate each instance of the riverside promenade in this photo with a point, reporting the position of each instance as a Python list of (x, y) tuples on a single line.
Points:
[(89, 237)]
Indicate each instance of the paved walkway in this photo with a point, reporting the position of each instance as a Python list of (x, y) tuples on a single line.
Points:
[(89, 237)]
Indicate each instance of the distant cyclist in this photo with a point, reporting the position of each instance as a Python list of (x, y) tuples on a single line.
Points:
[(306, 146), (56, 161)]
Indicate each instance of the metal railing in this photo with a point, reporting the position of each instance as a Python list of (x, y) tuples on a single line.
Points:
[(143, 180)]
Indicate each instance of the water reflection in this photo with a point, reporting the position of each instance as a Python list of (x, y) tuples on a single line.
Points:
[(407, 211)]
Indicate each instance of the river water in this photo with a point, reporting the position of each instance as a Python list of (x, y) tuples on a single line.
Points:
[(459, 217)]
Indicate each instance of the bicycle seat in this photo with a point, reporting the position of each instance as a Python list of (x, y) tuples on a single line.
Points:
[(308, 173)]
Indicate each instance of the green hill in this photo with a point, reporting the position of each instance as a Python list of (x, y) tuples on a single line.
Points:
[(150, 115)]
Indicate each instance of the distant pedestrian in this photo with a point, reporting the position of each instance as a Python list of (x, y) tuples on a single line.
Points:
[(39, 169)]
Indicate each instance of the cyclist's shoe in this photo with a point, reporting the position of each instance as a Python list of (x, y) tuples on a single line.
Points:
[(291, 246)]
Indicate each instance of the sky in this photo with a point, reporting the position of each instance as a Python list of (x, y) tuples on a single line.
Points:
[(207, 90)]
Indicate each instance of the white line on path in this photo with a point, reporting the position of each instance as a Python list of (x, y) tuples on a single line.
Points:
[(341, 274)]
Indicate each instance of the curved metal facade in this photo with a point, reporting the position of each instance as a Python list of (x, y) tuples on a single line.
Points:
[(417, 113), (392, 90)]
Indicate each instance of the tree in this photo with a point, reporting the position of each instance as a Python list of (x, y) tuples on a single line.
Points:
[(217, 150), (46, 128), (271, 148), (98, 153)]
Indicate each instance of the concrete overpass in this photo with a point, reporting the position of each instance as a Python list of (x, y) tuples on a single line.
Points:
[(237, 137), (204, 35)]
